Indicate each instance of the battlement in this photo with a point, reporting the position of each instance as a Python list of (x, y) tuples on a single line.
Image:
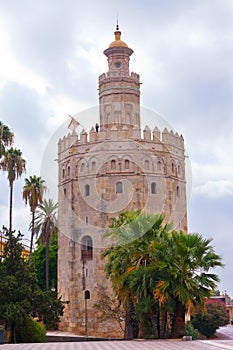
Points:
[(108, 75), (166, 137)]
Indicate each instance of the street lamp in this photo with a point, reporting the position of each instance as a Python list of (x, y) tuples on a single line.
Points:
[(86, 297)]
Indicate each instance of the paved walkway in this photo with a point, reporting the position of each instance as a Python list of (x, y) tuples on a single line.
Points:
[(224, 341), (128, 345)]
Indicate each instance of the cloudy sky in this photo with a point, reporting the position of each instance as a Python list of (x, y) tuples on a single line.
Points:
[(50, 60)]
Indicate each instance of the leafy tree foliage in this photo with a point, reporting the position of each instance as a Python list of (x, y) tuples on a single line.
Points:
[(215, 316), (30, 331), (21, 296), (157, 272), (40, 258), (6, 138), (17, 284)]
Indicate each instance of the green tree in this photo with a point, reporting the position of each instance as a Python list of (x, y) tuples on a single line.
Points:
[(40, 258), (15, 165), (21, 296), (33, 192), (6, 138), (46, 228), (214, 316), (184, 264), (17, 284)]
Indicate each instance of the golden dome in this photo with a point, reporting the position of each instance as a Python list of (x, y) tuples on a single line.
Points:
[(118, 42)]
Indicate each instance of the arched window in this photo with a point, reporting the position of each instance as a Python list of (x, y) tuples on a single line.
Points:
[(119, 187), (63, 173), (126, 164), (87, 190), (64, 191), (153, 187), (93, 166), (113, 164), (68, 170), (146, 164), (82, 167), (86, 248), (178, 191)]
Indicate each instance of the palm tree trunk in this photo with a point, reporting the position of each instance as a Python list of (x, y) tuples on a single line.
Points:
[(128, 326), (47, 264), (32, 236), (10, 209), (178, 322)]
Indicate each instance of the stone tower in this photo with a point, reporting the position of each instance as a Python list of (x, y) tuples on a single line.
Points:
[(103, 172)]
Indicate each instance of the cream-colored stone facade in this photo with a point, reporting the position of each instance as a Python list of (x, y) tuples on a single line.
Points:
[(102, 173)]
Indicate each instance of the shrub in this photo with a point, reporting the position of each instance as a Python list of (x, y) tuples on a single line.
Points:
[(190, 330), (215, 316), (30, 331)]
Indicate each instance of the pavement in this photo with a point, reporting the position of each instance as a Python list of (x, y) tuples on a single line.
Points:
[(223, 340)]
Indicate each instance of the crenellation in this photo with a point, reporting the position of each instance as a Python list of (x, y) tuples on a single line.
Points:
[(83, 136), (147, 133)]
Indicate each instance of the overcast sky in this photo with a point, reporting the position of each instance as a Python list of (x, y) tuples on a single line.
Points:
[(51, 54)]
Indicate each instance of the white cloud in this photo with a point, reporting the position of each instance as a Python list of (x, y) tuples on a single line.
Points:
[(214, 189), (11, 69)]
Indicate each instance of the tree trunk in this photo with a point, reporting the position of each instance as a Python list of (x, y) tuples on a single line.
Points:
[(47, 264), (155, 325), (11, 206), (32, 236), (128, 326), (178, 322)]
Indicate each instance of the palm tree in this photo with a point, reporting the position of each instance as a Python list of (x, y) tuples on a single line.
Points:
[(33, 192), (184, 262), (130, 261), (14, 164), (6, 138), (171, 267), (46, 228)]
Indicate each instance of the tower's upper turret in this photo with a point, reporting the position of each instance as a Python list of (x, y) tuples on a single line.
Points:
[(118, 54), (119, 91)]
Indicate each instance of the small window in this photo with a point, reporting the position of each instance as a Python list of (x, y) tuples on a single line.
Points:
[(159, 165), (64, 192), (126, 164), (87, 248), (153, 187), (68, 170), (119, 187), (86, 220), (173, 168), (87, 190), (146, 164), (178, 191), (63, 173), (113, 164)]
